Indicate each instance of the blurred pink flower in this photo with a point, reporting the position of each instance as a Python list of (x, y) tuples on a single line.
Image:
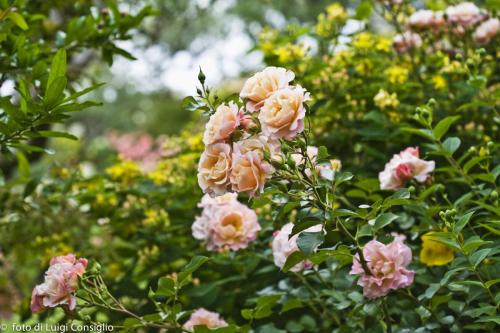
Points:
[(60, 284), (261, 85), (204, 317), (426, 19), (283, 246), (464, 14), (387, 265), (225, 223), (403, 167), (486, 31), (137, 147), (406, 41)]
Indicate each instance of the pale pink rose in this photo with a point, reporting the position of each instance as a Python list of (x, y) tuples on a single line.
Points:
[(206, 318), (426, 19), (283, 246), (60, 284), (249, 172), (387, 265), (225, 224), (260, 86), (282, 115), (406, 41), (214, 168), (222, 123), (324, 170), (464, 14), (403, 167), (486, 31)]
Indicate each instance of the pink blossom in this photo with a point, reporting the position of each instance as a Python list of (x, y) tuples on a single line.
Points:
[(426, 19), (249, 172), (60, 284), (464, 14), (486, 31), (406, 41), (387, 265), (283, 246), (403, 167), (206, 318), (225, 223)]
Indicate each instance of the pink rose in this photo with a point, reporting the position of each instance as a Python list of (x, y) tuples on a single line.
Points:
[(387, 265), (205, 318), (406, 41), (222, 123), (249, 172), (260, 144), (283, 246), (426, 19), (60, 284), (486, 31), (225, 223), (465, 14), (214, 168), (403, 167), (282, 115), (260, 86)]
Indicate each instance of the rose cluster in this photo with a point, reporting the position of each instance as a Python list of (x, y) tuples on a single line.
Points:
[(60, 284), (458, 19), (238, 140)]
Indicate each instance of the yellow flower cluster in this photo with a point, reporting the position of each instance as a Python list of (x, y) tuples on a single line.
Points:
[(397, 74), (156, 217), (385, 100), (330, 21), (363, 41), (125, 171), (290, 52)]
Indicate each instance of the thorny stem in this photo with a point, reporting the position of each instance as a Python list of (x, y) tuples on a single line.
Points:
[(387, 316)]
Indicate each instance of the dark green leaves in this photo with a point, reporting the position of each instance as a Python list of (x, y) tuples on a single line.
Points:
[(383, 220), (57, 69), (443, 126), (308, 242)]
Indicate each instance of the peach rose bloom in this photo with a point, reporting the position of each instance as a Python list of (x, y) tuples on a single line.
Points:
[(222, 123), (202, 317), (60, 284), (387, 265), (249, 172), (225, 224), (260, 144), (486, 31), (283, 246), (403, 167), (260, 86), (214, 168), (282, 115), (406, 41), (465, 14)]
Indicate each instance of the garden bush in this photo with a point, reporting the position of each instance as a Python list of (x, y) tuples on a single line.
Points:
[(351, 185)]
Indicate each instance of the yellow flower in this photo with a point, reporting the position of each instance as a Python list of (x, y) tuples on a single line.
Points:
[(364, 66), (124, 171), (439, 82), (434, 253), (384, 100), (155, 217), (384, 44), (363, 41), (328, 22), (290, 52), (397, 74)]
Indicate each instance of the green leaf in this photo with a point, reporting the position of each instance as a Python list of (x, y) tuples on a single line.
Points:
[(54, 93), (477, 257), (57, 68), (291, 304), (443, 126), (23, 165), (473, 161), (56, 134), (489, 319), (473, 243), (190, 268), (308, 242), (343, 177), (490, 283), (363, 11), (450, 145), (83, 92), (292, 260), (166, 287), (446, 238), (462, 222), (383, 220), (18, 20)]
